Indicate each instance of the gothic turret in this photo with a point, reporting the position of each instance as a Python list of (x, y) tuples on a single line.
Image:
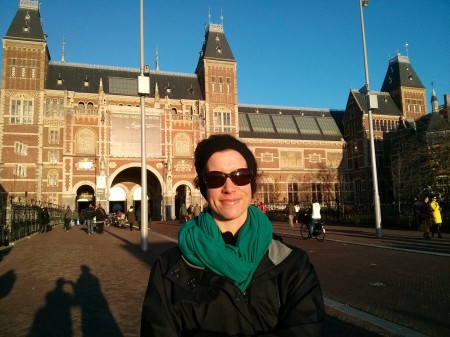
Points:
[(405, 87), (25, 52)]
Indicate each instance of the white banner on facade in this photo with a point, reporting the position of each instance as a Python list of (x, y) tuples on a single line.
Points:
[(126, 135)]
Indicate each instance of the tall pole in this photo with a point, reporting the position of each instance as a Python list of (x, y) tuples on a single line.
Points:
[(371, 104), (144, 203)]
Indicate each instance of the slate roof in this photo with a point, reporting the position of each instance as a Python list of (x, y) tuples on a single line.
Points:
[(386, 105), (26, 25), (270, 122), (215, 45), (432, 122), (400, 73), (119, 81)]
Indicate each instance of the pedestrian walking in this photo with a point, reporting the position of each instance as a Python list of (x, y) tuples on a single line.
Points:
[(183, 213), (75, 217), (425, 218), (89, 218), (228, 276), (67, 218), (100, 217), (197, 210), (262, 207), (436, 217), (290, 212), (138, 217), (131, 217), (44, 219), (190, 211)]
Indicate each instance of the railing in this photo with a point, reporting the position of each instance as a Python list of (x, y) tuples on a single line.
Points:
[(361, 216), (18, 221)]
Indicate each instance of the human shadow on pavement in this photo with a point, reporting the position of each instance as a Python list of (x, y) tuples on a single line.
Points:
[(8, 279), (54, 318), (96, 318)]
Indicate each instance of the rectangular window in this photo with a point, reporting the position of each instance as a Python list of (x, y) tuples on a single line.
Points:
[(293, 192), (267, 192), (20, 171), (21, 111), (316, 189), (213, 84), (228, 85), (52, 179), (222, 122), (221, 85), (54, 137), (53, 157), (20, 149)]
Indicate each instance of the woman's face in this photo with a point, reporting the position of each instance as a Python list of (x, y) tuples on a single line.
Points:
[(228, 203)]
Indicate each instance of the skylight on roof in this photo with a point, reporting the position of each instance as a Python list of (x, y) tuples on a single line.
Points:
[(261, 123), (307, 125), (284, 124)]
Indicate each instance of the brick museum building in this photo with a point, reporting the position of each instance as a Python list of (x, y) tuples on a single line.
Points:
[(70, 133)]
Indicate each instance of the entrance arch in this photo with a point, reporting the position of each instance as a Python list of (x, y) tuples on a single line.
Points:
[(117, 199), (183, 195), (130, 178), (85, 196)]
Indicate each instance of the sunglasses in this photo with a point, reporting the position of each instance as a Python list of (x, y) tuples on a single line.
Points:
[(239, 177)]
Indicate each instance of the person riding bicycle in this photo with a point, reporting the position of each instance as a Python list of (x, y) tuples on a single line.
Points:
[(315, 217)]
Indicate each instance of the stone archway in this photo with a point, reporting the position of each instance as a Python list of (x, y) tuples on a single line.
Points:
[(130, 179), (85, 196)]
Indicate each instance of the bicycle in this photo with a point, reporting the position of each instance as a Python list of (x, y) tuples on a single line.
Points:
[(318, 232)]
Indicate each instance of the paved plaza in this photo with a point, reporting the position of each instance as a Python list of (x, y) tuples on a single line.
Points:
[(73, 284)]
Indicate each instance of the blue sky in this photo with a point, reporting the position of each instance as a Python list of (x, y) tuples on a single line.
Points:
[(289, 52)]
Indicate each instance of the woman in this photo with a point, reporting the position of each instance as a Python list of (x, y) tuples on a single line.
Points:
[(436, 217), (227, 276), (425, 218)]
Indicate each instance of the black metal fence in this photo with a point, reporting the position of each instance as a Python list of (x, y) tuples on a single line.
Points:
[(18, 221), (392, 215)]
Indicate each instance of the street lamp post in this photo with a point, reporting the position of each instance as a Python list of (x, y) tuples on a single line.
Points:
[(143, 90), (371, 104)]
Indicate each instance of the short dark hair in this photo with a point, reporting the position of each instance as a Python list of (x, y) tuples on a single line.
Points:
[(216, 143)]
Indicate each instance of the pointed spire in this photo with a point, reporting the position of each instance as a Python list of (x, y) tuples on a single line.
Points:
[(221, 16), (157, 60), (406, 49), (434, 100), (156, 91), (63, 48), (209, 15)]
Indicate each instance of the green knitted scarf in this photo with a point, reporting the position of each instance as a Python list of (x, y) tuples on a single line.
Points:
[(201, 243)]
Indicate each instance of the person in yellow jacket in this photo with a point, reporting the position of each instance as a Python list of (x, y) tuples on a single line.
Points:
[(436, 217)]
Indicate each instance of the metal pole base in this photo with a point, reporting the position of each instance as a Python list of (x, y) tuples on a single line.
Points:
[(378, 233)]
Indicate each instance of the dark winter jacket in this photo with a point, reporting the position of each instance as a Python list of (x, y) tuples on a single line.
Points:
[(89, 213), (283, 299), (100, 214)]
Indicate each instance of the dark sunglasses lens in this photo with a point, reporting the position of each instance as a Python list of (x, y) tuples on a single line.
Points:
[(241, 177), (215, 179)]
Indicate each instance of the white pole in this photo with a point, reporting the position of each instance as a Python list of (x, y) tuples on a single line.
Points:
[(373, 159), (144, 202)]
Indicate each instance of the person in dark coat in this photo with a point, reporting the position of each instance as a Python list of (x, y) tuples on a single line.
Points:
[(131, 217), (44, 219), (229, 276), (89, 218), (100, 217), (67, 218)]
